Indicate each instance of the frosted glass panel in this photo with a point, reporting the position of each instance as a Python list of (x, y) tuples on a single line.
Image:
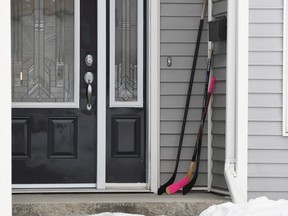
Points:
[(126, 52), (43, 51)]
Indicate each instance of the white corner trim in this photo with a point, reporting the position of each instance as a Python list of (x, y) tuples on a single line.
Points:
[(101, 95), (153, 66), (236, 148), (285, 70), (5, 109), (210, 111)]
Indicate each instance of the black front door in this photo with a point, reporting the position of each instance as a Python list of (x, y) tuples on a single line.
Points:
[(53, 125)]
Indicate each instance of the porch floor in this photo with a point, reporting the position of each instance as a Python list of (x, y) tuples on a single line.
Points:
[(147, 204)]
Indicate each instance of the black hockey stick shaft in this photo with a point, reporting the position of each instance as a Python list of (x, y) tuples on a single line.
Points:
[(197, 150), (163, 187)]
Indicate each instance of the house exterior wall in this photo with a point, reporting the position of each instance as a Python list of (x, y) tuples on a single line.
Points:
[(267, 148), (219, 9), (178, 31)]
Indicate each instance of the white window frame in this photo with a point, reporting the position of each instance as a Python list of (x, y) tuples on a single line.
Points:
[(139, 102), (285, 69), (75, 103)]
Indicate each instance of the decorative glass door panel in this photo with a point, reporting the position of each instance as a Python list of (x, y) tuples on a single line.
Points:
[(43, 63), (126, 53)]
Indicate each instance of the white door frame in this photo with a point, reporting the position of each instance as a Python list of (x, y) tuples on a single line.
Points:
[(5, 108), (153, 100)]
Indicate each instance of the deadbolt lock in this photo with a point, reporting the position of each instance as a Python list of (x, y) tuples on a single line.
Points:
[(89, 60)]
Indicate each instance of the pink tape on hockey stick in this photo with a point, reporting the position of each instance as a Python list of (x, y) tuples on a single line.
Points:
[(171, 189), (211, 85)]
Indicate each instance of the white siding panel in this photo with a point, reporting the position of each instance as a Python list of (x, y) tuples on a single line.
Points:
[(277, 184), (189, 35), (265, 72), (266, 15), (266, 4), (265, 29), (265, 86), (272, 156), (268, 170), (181, 23), (176, 76), (265, 44)]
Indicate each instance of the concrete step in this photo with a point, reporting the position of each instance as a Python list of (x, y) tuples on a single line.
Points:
[(191, 204)]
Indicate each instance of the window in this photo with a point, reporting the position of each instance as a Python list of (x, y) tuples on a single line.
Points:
[(44, 47), (126, 53)]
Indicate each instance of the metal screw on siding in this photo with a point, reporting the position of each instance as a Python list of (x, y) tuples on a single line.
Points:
[(169, 61)]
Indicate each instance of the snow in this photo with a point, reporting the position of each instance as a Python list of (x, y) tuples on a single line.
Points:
[(260, 206)]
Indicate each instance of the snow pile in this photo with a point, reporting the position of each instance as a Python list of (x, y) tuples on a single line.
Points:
[(261, 206), (115, 214)]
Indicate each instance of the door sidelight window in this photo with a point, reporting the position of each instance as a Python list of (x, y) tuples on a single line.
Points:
[(126, 53)]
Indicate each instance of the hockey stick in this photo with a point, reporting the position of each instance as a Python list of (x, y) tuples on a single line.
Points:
[(163, 187), (197, 151)]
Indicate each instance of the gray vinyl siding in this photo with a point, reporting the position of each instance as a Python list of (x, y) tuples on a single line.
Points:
[(179, 27), (267, 148), (219, 104)]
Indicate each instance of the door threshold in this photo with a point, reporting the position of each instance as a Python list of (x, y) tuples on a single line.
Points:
[(80, 188)]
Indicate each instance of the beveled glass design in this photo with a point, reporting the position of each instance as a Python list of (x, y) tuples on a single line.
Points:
[(126, 50), (42, 51)]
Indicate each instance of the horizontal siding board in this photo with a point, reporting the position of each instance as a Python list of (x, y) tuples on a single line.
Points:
[(180, 9), (265, 114), (219, 8), (268, 170), (175, 127), (265, 44), (268, 184), (219, 114), (220, 74), (218, 141), (181, 23), (219, 61), (183, 63), (175, 76), (266, 15), (188, 35), (170, 153), (219, 101), (172, 140), (201, 179), (218, 127), (265, 3), (266, 72), (167, 166), (179, 101), (185, 49), (177, 114), (219, 182), (219, 47), (218, 154), (265, 86), (265, 29), (218, 167), (181, 88), (267, 142), (271, 58), (265, 128), (267, 156), (264, 100)]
